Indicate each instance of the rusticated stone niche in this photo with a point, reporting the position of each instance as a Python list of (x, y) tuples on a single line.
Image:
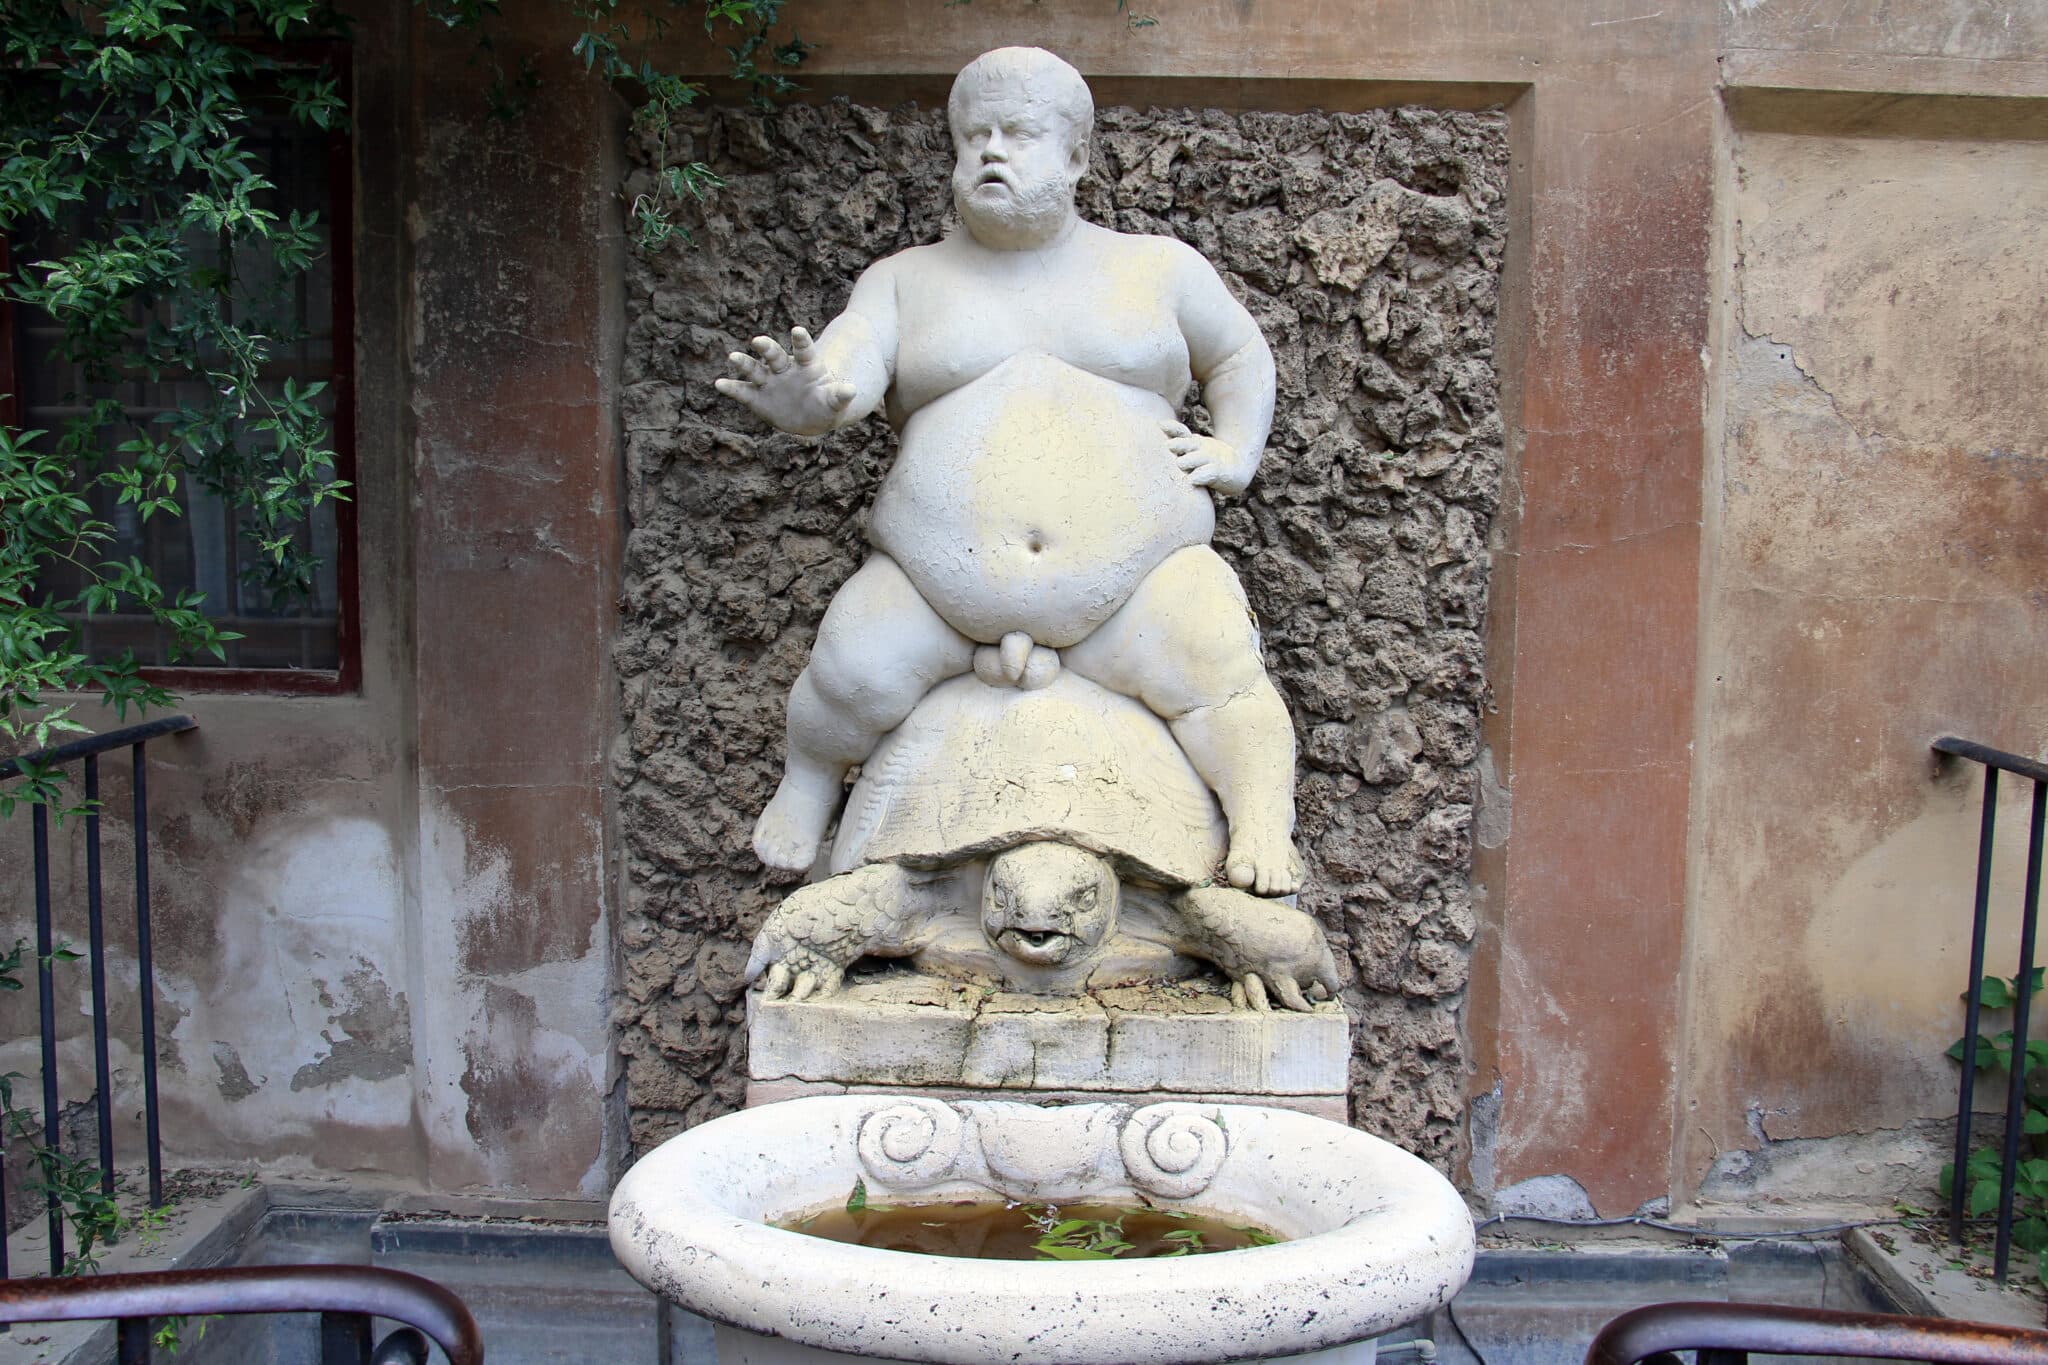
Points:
[(1369, 248)]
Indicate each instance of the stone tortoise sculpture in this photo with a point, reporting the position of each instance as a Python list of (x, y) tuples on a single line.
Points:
[(1046, 837)]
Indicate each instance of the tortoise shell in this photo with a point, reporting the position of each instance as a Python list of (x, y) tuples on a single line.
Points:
[(976, 769)]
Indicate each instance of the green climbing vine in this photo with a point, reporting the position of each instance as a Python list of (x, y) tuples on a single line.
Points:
[(143, 223), (1985, 1168)]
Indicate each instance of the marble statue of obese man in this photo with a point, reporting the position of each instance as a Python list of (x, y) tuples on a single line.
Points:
[(1044, 509)]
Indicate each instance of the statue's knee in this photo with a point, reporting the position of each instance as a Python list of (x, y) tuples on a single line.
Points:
[(1213, 661), (866, 684), (840, 666)]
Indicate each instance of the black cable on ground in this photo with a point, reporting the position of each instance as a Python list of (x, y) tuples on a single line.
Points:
[(1689, 1230), (1451, 1312)]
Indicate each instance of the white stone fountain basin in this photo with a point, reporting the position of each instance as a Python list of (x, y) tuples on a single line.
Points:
[(1377, 1238)]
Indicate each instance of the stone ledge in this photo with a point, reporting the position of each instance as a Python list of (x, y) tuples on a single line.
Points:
[(1930, 1279), (1335, 1108), (207, 1220), (1167, 1042)]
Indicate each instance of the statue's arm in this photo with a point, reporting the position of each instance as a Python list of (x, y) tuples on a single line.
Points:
[(816, 386), (859, 346), (1231, 359)]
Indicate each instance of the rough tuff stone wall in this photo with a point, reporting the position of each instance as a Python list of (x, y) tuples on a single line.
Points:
[(1368, 246)]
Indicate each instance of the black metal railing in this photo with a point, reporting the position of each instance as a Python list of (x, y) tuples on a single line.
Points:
[(346, 1297), (87, 751), (1996, 761), (1727, 1334)]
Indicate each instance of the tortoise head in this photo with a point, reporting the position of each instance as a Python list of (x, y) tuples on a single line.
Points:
[(1047, 903)]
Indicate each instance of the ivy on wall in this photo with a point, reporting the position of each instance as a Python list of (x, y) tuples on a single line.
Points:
[(137, 219), (133, 210)]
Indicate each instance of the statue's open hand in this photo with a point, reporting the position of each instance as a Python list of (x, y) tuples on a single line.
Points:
[(1208, 462), (791, 390)]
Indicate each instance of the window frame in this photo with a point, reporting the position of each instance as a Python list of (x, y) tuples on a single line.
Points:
[(346, 679)]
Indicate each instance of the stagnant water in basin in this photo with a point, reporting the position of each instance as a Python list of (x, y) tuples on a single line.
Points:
[(995, 1230)]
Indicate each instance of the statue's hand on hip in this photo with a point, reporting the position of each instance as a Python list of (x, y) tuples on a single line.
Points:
[(791, 390), (1208, 462)]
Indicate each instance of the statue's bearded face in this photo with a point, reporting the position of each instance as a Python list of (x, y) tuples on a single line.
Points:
[(1018, 160)]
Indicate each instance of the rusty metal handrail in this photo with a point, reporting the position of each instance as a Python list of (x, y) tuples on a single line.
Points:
[(365, 1291), (1726, 1333)]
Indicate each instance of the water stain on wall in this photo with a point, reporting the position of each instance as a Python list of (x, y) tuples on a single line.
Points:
[(1880, 569)]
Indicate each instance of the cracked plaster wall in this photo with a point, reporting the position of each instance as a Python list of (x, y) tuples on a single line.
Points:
[(1878, 531), (278, 904), (322, 1005), (1369, 248)]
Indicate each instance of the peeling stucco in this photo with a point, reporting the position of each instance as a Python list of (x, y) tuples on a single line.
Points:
[(370, 1038), (235, 1083), (512, 1065), (1877, 1169), (314, 899)]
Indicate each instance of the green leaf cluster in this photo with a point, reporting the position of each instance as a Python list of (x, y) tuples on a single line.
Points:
[(614, 45), (1102, 1239), (1994, 1050), (757, 63), (1087, 1239), (141, 225), (1984, 1169)]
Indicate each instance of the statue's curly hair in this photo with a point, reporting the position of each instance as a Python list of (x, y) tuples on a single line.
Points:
[(1070, 92)]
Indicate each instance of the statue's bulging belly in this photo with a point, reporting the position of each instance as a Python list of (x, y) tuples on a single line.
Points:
[(1036, 498)]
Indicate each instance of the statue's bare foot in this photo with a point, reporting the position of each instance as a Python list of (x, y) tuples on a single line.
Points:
[(1263, 863), (787, 835)]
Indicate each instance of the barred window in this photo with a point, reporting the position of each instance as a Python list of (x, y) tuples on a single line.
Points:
[(294, 637)]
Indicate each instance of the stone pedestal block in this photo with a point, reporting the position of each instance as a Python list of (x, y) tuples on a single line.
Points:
[(910, 1033)]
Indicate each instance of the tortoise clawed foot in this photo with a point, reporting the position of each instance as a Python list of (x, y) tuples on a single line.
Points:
[(801, 975), (1255, 991), (1290, 994), (1267, 948), (1250, 993)]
